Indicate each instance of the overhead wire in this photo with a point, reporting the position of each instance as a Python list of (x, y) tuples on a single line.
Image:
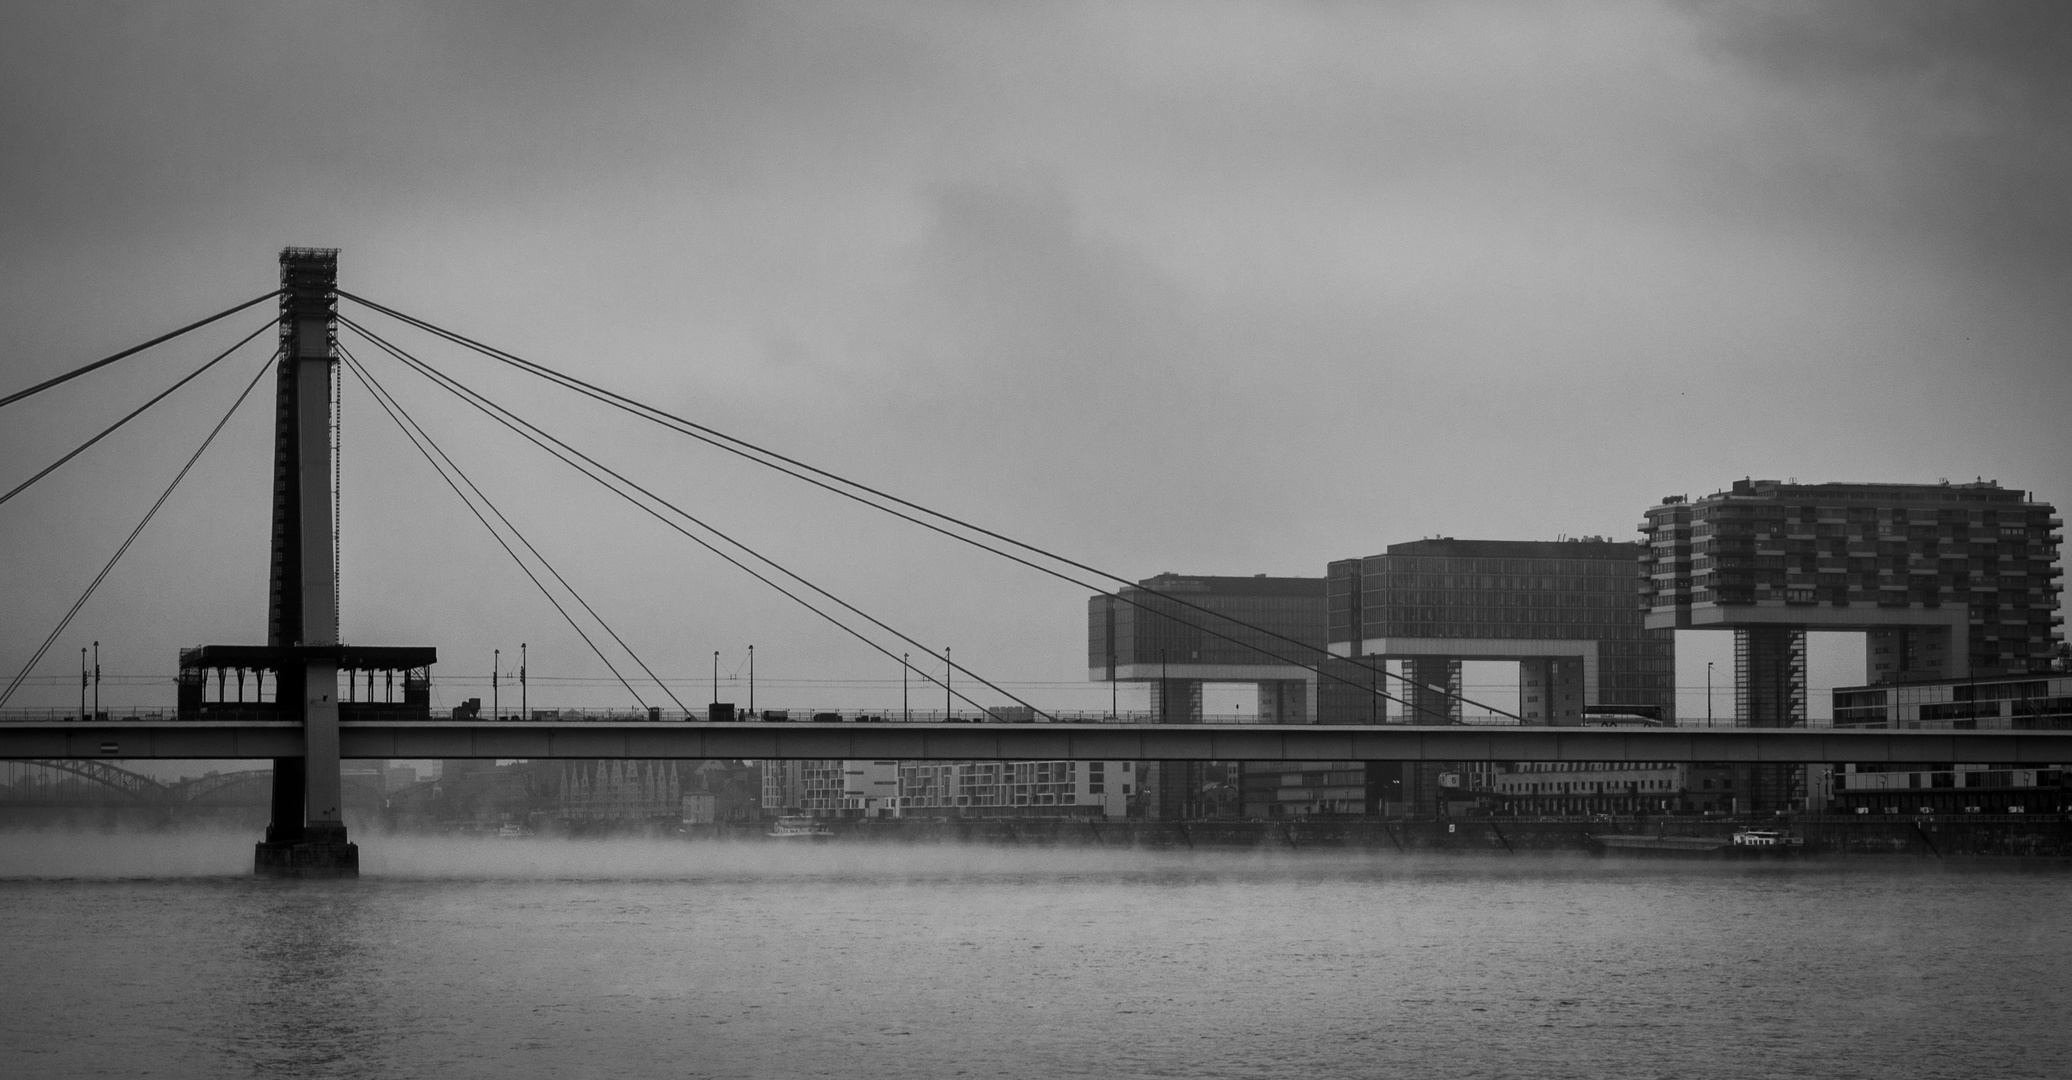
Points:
[(414, 433), (110, 429), (134, 533), (736, 446), (132, 351), (535, 434)]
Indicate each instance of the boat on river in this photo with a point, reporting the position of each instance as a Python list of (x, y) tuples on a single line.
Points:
[(800, 828), (1743, 844)]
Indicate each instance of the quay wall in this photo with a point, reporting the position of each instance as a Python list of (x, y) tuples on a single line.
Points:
[(2019, 835)]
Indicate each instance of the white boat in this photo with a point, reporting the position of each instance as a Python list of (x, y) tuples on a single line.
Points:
[(1766, 838), (800, 828)]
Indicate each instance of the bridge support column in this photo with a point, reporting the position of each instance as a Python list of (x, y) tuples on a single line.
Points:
[(307, 838)]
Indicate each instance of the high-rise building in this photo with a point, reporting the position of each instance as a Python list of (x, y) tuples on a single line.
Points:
[(1946, 581)]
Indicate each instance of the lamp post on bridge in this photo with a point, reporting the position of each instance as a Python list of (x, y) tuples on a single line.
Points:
[(524, 712), (496, 668)]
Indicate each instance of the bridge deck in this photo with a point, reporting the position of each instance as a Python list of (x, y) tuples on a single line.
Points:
[(924, 741)]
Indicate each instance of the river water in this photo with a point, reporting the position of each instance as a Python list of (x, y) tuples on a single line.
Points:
[(158, 956)]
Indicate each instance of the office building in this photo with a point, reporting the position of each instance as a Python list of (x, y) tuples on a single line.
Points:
[(1563, 610)]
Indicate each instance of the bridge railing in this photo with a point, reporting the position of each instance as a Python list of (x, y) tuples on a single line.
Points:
[(61, 715)]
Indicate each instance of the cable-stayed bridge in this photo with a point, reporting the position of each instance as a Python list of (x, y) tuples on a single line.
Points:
[(315, 700)]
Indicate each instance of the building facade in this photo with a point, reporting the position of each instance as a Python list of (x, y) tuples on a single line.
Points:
[(2010, 703), (1946, 582), (1262, 630), (1563, 610), (979, 789)]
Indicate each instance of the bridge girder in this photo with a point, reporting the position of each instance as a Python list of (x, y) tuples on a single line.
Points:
[(937, 741)]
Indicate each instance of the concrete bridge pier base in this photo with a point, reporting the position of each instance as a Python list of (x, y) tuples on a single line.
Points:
[(310, 857), (293, 848)]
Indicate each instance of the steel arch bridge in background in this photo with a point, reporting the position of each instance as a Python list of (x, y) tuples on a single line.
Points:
[(32, 780), (139, 789)]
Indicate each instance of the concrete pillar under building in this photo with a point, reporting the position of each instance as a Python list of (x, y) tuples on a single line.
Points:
[(1550, 690), (1433, 692), (1284, 701), (1770, 691), (1770, 676), (1176, 701)]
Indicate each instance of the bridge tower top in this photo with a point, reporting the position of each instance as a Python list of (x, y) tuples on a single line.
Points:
[(303, 590)]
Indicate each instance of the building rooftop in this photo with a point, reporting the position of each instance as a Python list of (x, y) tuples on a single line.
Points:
[(1256, 585), (1944, 491), (1589, 547)]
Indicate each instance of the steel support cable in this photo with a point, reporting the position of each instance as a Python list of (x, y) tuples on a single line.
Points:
[(392, 410), (110, 429), (514, 421), (134, 533), (486, 406), (368, 376), (736, 446), (77, 372), (1369, 688)]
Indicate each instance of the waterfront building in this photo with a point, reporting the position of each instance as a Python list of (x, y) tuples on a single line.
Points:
[(1095, 789), (1563, 610), (1395, 625), (829, 788), (1951, 788), (2009, 702), (1145, 636), (1565, 788), (1946, 581), (1298, 789), (1150, 634), (863, 789)]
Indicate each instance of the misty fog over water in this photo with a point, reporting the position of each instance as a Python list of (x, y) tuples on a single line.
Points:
[(132, 954)]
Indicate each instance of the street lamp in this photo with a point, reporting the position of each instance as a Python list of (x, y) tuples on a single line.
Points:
[(949, 670), (524, 712), (496, 662), (1708, 693)]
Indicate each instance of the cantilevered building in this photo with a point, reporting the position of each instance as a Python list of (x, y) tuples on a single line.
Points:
[(1949, 582), (1147, 634), (1562, 609)]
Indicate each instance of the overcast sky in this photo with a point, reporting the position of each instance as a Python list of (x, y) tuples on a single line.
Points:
[(1212, 288)]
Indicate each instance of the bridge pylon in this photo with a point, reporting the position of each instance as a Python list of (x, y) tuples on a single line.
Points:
[(307, 835)]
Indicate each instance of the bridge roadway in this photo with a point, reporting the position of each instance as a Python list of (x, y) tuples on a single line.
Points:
[(991, 742)]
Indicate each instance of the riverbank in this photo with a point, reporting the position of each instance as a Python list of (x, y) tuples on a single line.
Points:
[(2036, 836)]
